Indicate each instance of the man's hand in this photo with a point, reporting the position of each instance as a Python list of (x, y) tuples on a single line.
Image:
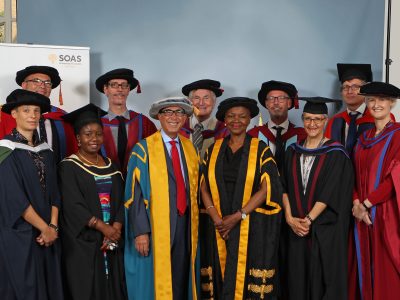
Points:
[(142, 243)]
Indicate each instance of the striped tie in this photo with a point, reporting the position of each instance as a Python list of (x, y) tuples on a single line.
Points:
[(197, 136)]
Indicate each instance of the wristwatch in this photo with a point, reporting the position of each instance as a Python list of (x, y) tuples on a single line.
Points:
[(55, 227), (244, 215)]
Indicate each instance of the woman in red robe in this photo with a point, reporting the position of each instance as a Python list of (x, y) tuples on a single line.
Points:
[(376, 198)]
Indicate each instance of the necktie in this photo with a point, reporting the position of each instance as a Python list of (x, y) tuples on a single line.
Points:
[(352, 133), (279, 146), (180, 183), (122, 140), (197, 136), (42, 130)]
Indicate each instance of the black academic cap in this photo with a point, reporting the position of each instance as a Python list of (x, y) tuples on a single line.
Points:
[(49, 71), (122, 73), (225, 105), (272, 85), (351, 71), (87, 114), (317, 105), (20, 97), (206, 84), (380, 89)]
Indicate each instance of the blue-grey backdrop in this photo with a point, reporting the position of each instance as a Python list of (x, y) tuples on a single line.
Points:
[(169, 43)]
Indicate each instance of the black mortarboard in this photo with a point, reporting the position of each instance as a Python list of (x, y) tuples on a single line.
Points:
[(272, 85), (223, 107), (206, 84), (20, 97), (380, 89), (87, 114), (122, 73), (49, 71), (317, 105), (351, 71)]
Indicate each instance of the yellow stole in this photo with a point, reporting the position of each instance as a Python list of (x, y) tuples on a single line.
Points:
[(244, 224), (159, 213)]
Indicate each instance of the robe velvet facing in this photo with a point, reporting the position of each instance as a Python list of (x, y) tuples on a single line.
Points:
[(294, 134), (28, 271), (316, 265), (148, 181), (335, 129), (244, 266), (139, 127), (83, 262), (377, 166)]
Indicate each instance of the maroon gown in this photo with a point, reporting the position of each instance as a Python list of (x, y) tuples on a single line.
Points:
[(377, 167)]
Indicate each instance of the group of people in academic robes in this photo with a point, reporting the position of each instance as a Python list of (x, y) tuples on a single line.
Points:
[(272, 231), (322, 185)]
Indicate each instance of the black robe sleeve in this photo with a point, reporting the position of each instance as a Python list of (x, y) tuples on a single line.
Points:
[(73, 200), (118, 197), (337, 169)]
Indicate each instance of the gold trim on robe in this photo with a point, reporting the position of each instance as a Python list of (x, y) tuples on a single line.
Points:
[(159, 213)]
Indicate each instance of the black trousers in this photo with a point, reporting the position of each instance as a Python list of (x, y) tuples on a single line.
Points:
[(180, 258)]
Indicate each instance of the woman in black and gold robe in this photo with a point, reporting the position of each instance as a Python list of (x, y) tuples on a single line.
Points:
[(242, 194)]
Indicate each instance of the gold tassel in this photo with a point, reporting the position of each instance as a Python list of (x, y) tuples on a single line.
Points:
[(60, 97)]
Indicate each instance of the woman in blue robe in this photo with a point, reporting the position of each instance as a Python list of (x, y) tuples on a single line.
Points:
[(29, 203)]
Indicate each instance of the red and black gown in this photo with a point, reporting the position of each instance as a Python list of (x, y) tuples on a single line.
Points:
[(316, 265), (335, 129), (292, 135), (138, 127), (377, 167)]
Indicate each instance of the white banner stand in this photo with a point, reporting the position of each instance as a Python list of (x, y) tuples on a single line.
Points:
[(73, 64)]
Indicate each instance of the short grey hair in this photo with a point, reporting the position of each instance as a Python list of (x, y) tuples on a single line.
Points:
[(214, 97)]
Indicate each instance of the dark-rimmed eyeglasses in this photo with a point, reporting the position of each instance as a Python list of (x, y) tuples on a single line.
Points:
[(309, 120), (354, 87), (37, 82), (170, 112), (116, 85), (280, 99)]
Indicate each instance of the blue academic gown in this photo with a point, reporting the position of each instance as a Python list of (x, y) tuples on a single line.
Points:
[(28, 271), (140, 271)]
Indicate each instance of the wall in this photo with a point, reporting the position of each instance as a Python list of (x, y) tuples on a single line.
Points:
[(394, 50), (241, 43)]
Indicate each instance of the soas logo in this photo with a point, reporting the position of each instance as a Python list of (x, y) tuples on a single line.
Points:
[(69, 58), (52, 58)]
